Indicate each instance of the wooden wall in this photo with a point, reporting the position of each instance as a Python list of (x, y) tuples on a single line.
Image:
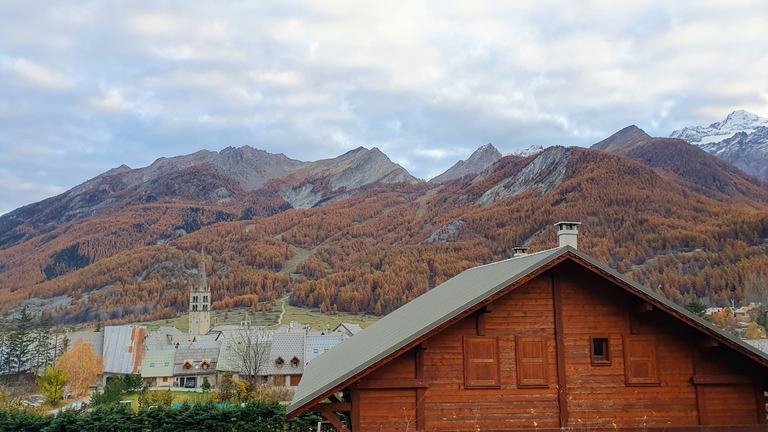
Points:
[(596, 396)]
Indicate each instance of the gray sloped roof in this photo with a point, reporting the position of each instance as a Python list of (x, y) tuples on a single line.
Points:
[(450, 299), (157, 363), (285, 346), (123, 348), (96, 339)]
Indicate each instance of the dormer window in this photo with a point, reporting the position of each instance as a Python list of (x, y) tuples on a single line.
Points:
[(188, 364), (279, 362), (295, 362), (205, 364)]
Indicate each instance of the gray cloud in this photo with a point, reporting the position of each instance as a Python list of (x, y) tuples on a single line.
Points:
[(87, 86)]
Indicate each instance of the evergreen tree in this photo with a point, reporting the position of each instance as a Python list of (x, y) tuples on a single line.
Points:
[(19, 342), (42, 350)]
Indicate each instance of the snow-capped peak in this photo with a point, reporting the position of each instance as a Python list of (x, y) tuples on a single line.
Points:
[(528, 151), (737, 121)]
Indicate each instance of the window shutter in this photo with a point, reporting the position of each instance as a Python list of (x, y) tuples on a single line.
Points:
[(640, 366), (531, 362), (481, 362)]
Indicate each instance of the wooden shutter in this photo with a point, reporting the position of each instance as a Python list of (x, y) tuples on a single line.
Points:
[(279, 380), (640, 365), (531, 362), (481, 362)]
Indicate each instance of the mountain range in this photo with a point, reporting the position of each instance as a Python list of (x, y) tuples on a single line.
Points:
[(358, 233), (741, 140)]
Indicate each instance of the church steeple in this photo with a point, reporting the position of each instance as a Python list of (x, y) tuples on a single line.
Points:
[(200, 301)]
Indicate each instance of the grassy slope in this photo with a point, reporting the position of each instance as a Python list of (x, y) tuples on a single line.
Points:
[(312, 317)]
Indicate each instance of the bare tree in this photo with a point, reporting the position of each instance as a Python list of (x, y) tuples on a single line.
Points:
[(249, 348), (755, 291)]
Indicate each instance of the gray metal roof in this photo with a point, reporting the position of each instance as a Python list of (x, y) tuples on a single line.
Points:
[(157, 363), (123, 348), (96, 339), (320, 344), (450, 299)]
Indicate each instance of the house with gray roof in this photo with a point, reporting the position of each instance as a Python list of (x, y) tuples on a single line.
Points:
[(318, 344), (157, 367), (285, 364), (348, 329), (193, 366), (547, 340), (96, 339), (123, 350)]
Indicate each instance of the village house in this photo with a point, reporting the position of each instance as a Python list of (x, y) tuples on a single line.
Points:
[(546, 340), (123, 350), (194, 366), (157, 366), (285, 364)]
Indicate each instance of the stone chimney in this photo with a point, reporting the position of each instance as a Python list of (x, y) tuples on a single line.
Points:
[(520, 251), (567, 232)]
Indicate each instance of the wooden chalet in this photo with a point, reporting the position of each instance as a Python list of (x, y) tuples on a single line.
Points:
[(547, 340)]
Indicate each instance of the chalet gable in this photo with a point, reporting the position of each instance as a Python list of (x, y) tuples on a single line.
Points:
[(456, 299)]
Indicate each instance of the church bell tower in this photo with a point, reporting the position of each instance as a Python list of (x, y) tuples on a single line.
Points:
[(200, 302)]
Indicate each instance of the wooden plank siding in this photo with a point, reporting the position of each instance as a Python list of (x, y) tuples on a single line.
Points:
[(595, 396)]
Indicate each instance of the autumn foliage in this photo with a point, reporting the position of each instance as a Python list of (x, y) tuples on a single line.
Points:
[(374, 252), (82, 367)]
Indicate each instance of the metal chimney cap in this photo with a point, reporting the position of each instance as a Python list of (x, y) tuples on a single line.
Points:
[(520, 250), (567, 225)]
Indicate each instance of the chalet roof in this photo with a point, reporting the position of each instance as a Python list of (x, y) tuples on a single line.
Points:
[(195, 357), (285, 346), (123, 348), (463, 293), (157, 363)]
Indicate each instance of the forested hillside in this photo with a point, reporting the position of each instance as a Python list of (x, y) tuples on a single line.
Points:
[(381, 246)]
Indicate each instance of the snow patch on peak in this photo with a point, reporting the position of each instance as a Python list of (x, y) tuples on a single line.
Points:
[(737, 121), (528, 151)]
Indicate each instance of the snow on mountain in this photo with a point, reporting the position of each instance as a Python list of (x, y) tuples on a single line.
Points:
[(741, 140), (737, 121), (528, 151)]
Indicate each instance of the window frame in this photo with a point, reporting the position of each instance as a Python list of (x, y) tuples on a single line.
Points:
[(607, 359)]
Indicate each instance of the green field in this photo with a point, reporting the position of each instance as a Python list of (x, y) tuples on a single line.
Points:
[(312, 317)]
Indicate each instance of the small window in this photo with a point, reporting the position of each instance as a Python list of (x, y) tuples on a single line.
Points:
[(205, 298), (601, 353), (295, 363), (151, 365), (279, 362), (166, 363)]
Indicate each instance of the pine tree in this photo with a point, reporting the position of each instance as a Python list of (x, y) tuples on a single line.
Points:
[(19, 342)]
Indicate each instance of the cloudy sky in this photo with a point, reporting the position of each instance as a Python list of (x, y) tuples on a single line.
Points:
[(86, 86)]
